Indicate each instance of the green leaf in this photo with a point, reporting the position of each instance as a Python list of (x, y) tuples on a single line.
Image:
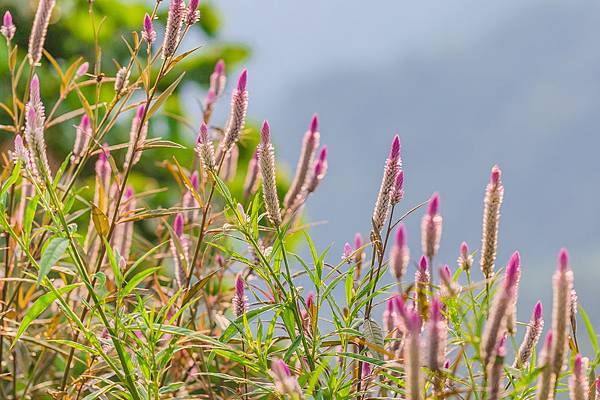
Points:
[(39, 306), (373, 334), (164, 96), (234, 327), (590, 329), (12, 179), (54, 251), (137, 278)]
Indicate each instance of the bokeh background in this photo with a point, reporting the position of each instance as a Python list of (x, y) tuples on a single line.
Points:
[(466, 85)]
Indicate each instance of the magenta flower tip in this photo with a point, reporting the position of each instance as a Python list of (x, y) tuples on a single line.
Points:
[(563, 260), (399, 184), (548, 340), (347, 250), (390, 305), (140, 112), (178, 225), (464, 250), (495, 175), (395, 150), (18, 141), (128, 192), (310, 300), (423, 264), (314, 124), (501, 348), (8, 20), (34, 87), (83, 69), (265, 133), (537, 310), (401, 236), (434, 204), (512, 269), (598, 384), (242, 81), (147, 23), (239, 285), (323, 154), (194, 179), (219, 66), (578, 364), (193, 6), (358, 240), (447, 270)]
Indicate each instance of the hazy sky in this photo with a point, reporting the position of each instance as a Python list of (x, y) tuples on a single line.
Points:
[(466, 84)]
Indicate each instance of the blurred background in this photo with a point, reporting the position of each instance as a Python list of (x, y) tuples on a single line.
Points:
[(465, 84)]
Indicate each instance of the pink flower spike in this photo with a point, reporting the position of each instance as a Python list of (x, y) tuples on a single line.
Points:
[(395, 149), (423, 264), (219, 67), (513, 269), (310, 301), (563, 260), (577, 364), (34, 89), (149, 34), (8, 28), (537, 310), (401, 236), (194, 180), (241, 86), (203, 136), (358, 241), (128, 193), (434, 204), (347, 251), (495, 175), (399, 184), (265, 133), (178, 225), (598, 384), (323, 154), (239, 285), (464, 250), (82, 70), (314, 124)]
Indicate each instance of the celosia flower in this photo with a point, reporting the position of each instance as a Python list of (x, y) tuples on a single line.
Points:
[(180, 256), (400, 255), (422, 283), (359, 253), (318, 173), (412, 357), (449, 287), (500, 308), (82, 70), (437, 336), (173, 28), (285, 382), (240, 300), (218, 78), (309, 146), (251, 175), (123, 233), (578, 381), (347, 253), (561, 309), (532, 335), (266, 157), (8, 28), (597, 387), (148, 34), (389, 320), (37, 36), (237, 116), (465, 260), (121, 80), (137, 137), (205, 149), (495, 370), (431, 228), (494, 194), (192, 12), (398, 191), (83, 134), (545, 382), (189, 201), (34, 130), (393, 164)]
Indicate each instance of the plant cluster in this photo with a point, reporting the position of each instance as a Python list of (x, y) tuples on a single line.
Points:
[(107, 296)]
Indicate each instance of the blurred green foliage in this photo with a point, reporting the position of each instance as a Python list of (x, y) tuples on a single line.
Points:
[(71, 35)]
